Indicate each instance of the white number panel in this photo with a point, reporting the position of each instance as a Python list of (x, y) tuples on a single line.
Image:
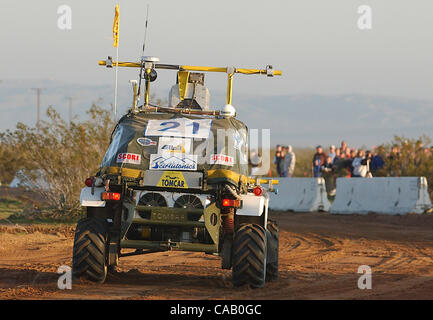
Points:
[(181, 127)]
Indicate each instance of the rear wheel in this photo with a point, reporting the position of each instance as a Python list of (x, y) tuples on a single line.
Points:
[(90, 249), (249, 256), (272, 267)]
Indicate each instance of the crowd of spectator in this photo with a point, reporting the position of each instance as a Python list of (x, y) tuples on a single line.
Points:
[(285, 161), (345, 162), (359, 163), (401, 158), (350, 162)]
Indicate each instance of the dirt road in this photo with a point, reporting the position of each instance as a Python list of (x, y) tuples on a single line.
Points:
[(319, 258)]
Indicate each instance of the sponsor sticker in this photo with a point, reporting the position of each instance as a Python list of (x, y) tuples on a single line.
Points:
[(132, 158), (221, 159), (145, 142), (173, 162), (172, 179), (174, 145)]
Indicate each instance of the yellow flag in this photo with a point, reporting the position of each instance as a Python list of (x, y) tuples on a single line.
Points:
[(116, 27)]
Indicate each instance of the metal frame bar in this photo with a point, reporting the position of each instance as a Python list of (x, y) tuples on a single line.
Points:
[(229, 70), (165, 246)]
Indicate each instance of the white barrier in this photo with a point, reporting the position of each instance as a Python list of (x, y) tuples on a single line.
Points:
[(300, 195), (382, 195)]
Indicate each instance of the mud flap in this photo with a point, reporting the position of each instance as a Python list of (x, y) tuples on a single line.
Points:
[(113, 257), (212, 220)]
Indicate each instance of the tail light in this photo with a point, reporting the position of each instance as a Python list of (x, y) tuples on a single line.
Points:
[(89, 181), (231, 203), (111, 196), (258, 191)]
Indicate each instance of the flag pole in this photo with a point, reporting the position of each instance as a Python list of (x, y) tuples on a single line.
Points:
[(115, 83), (116, 44)]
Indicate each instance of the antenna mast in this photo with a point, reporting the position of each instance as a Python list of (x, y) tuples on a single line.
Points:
[(142, 54)]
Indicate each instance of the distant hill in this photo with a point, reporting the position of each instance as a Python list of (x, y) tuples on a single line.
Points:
[(303, 120), (300, 120)]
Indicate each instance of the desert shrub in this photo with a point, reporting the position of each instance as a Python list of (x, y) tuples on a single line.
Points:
[(55, 159), (10, 162), (304, 161), (410, 157)]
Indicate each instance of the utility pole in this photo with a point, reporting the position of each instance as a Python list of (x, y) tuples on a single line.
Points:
[(38, 93), (70, 109)]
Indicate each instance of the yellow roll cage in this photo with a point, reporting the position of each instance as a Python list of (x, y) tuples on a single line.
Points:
[(183, 73)]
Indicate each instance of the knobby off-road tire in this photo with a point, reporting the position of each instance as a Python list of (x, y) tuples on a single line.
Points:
[(249, 256), (272, 267), (90, 249)]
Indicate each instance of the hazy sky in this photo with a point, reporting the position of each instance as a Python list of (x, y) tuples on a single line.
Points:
[(317, 44)]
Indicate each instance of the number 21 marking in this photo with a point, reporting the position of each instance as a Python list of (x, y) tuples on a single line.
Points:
[(174, 124), (195, 127)]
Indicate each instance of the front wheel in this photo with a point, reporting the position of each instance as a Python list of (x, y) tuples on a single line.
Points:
[(249, 256), (90, 249)]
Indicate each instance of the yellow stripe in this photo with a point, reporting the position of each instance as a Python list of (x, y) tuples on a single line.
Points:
[(212, 174), (121, 64), (229, 88), (205, 69), (196, 68), (228, 174), (126, 172), (263, 181), (182, 77)]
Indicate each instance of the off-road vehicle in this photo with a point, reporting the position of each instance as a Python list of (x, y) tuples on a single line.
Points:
[(176, 178)]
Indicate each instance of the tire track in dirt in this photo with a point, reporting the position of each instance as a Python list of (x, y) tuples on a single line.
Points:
[(319, 259)]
